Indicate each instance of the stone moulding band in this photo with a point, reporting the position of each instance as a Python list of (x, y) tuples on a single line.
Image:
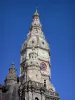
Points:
[(38, 87)]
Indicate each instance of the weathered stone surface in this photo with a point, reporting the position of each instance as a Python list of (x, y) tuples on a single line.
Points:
[(34, 82)]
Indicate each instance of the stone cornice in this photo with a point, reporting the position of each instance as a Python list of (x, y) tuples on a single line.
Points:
[(38, 87)]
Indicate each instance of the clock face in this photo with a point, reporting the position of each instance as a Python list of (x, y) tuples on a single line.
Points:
[(43, 66)]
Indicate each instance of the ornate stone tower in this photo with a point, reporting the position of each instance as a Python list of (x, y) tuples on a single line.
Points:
[(35, 66), (11, 77)]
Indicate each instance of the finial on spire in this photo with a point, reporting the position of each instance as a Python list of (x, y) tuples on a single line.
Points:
[(36, 21), (12, 64), (36, 13)]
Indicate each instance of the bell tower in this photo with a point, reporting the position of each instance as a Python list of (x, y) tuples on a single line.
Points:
[(35, 66)]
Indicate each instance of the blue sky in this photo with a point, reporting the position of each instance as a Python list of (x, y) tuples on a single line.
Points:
[(58, 21)]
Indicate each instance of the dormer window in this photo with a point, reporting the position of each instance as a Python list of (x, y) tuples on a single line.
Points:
[(32, 56), (32, 42), (35, 24), (42, 42), (31, 62), (36, 98)]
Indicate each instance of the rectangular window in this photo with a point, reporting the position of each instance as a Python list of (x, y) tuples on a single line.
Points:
[(44, 83)]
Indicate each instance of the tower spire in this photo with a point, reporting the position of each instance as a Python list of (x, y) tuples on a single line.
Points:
[(36, 13), (11, 77), (36, 27), (12, 65)]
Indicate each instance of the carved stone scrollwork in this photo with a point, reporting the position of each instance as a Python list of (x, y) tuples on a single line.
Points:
[(20, 94)]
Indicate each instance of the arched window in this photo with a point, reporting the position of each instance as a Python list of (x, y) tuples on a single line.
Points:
[(36, 98)]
